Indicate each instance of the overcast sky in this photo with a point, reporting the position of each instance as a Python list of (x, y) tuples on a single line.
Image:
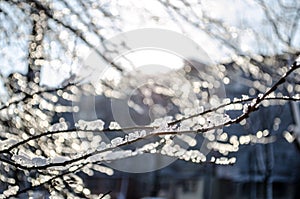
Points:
[(135, 14)]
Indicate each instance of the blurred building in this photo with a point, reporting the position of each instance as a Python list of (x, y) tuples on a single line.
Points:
[(262, 170)]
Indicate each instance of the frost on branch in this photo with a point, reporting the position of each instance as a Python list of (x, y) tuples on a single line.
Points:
[(59, 159), (188, 139), (7, 143), (29, 109), (39, 161), (62, 126), (90, 125), (22, 159), (162, 123), (297, 62), (102, 146), (187, 155), (103, 169), (224, 160), (26, 160), (114, 126), (117, 141), (133, 136), (10, 191), (108, 156)]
